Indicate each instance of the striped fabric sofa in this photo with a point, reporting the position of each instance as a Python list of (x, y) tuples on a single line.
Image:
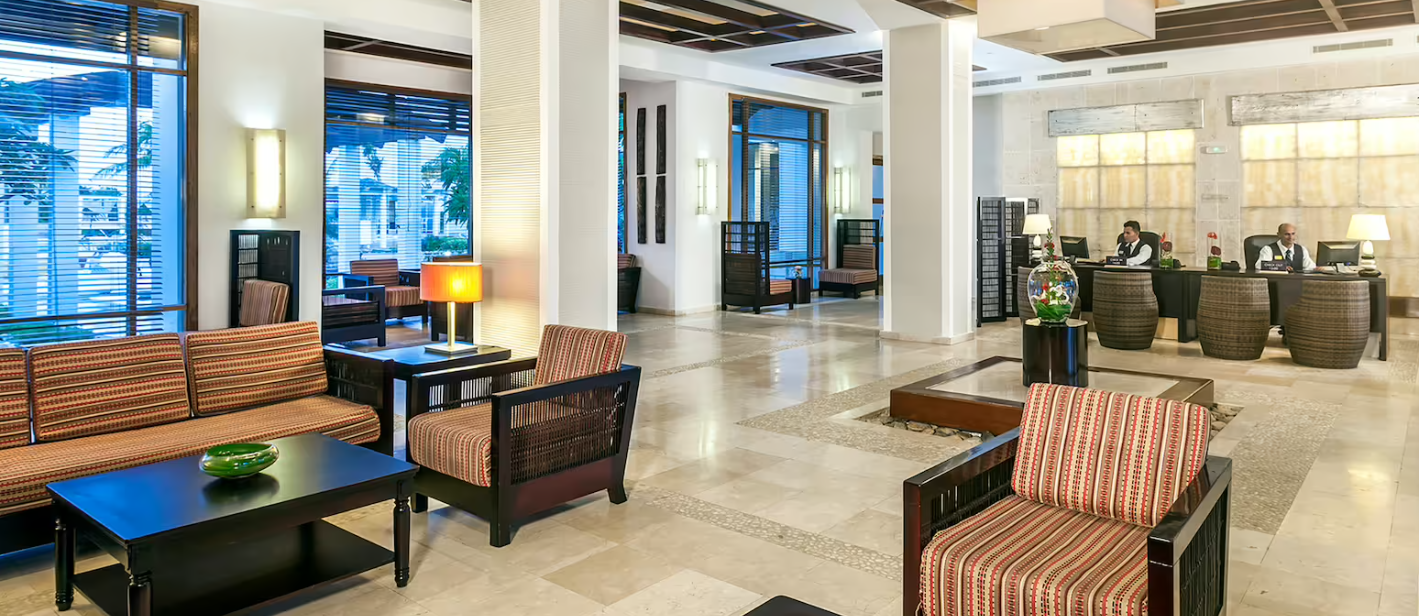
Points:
[(507, 440), (1099, 504), (83, 408)]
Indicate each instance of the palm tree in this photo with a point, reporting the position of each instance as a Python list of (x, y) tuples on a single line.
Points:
[(26, 163), (453, 169), (145, 154)]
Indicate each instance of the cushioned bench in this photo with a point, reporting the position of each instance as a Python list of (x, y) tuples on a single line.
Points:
[(856, 271), (102, 405)]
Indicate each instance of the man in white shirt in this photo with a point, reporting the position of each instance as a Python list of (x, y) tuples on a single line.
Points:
[(1297, 258), (1133, 248)]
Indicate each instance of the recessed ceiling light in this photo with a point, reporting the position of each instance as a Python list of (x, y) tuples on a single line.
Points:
[(1042, 28)]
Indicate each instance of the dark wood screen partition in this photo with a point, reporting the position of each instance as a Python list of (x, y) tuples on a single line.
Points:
[(1000, 250), (744, 268), (265, 255)]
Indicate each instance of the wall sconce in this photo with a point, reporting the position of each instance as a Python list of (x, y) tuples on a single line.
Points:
[(705, 196), (842, 190), (266, 173)]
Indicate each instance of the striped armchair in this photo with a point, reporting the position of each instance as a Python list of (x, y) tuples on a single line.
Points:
[(506, 440), (263, 302), (856, 271), (1100, 503), (401, 289)]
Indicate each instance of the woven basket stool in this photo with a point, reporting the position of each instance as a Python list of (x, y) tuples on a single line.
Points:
[(1233, 317), (1125, 310), (1329, 327)]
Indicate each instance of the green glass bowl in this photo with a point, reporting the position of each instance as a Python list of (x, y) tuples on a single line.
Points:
[(239, 460)]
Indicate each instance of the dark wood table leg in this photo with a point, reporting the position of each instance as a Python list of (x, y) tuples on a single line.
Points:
[(401, 536), (63, 565), (140, 594)]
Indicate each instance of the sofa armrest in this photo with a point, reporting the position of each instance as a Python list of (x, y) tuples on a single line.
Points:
[(944, 495), (1187, 550), (352, 279), (364, 379), (544, 429)]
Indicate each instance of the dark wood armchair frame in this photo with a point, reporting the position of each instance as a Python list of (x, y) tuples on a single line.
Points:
[(352, 376), (744, 267), (330, 334), (556, 470), (856, 232), (1187, 551), (409, 278), (628, 284)]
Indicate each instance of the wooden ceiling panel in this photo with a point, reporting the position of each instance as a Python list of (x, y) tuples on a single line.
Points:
[(362, 44), (862, 67), (719, 25)]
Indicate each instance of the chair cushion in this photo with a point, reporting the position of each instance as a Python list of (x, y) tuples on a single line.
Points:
[(14, 399), (263, 302), (625, 260), (848, 276), (99, 386), (456, 442), (382, 272), (238, 368), (859, 256), (574, 352), (24, 471), (1108, 454), (777, 286), (1022, 558), (402, 296)]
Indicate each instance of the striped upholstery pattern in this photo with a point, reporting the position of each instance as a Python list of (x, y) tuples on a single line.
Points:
[(848, 276), (239, 368), (777, 286), (24, 471), (382, 272), (1021, 558), (263, 302), (14, 399), (401, 296), (625, 260), (1108, 454), (859, 256), (456, 442), (99, 386), (575, 352)]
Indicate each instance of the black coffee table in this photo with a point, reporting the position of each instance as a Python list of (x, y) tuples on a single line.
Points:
[(193, 545)]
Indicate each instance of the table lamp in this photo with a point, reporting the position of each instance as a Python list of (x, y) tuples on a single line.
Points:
[(1367, 228), (453, 283), (1036, 225)]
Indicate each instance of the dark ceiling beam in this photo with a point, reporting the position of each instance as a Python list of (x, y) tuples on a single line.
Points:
[(1334, 15), (1416, 10), (640, 13), (1109, 51), (1233, 12), (655, 34), (731, 15)]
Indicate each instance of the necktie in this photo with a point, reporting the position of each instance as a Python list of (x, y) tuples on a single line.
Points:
[(1288, 255)]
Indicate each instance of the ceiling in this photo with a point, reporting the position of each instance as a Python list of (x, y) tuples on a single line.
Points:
[(720, 25), (341, 41), (864, 67)]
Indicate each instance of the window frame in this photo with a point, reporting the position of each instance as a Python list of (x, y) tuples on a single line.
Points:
[(189, 177), (325, 132)]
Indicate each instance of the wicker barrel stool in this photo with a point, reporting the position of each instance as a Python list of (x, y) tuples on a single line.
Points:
[(1233, 317), (1329, 327), (1125, 309)]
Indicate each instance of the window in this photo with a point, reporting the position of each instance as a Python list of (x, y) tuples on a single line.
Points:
[(93, 169), (779, 176), (621, 180), (1316, 175), (879, 187), (1107, 180), (398, 173)]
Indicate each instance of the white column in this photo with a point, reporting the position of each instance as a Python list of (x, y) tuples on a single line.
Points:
[(545, 91), (930, 211)]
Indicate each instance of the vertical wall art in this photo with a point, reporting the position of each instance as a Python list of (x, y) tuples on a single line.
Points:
[(640, 177), (660, 144), (660, 210), (640, 210), (640, 141)]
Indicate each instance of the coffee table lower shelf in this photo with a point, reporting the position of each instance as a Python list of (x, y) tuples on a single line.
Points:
[(242, 576)]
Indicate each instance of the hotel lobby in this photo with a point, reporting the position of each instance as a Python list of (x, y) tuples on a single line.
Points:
[(709, 307)]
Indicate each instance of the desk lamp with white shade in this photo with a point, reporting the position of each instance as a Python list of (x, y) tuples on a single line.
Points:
[(1036, 225), (1368, 228), (451, 282)]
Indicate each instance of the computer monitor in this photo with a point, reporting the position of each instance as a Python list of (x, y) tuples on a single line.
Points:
[(1339, 253), (1077, 247)]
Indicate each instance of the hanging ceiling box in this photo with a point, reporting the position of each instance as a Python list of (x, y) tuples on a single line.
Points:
[(1052, 26)]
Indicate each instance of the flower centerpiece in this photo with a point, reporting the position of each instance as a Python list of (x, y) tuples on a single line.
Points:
[(1166, 260), (1053, 287), (1214, 251)]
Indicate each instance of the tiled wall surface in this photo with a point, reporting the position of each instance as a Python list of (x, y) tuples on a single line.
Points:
[(1030, 156)]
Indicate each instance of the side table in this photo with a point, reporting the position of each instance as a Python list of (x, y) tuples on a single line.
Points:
[(1056, 353), (802, 290)]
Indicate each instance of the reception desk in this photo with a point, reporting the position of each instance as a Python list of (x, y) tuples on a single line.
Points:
[(1178, 291)]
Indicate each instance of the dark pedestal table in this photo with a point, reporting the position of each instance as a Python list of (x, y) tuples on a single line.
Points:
[(1056, 353)]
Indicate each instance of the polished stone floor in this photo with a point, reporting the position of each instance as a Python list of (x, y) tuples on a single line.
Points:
[(752, 479)]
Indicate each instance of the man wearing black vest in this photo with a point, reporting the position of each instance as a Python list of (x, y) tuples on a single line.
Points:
[(1286, 249), (1133, 248)]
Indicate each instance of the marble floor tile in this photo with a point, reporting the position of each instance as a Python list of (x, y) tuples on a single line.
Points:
[(1301, 595), (686, 593), (613, 575)]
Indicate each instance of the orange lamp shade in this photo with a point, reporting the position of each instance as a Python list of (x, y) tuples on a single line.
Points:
[(459, 282)]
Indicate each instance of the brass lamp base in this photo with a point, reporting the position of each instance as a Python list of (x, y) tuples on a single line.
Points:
[(451, 349)]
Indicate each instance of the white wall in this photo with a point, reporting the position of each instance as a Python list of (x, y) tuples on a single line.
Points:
[(657, 261), (365, 68), (987, 139), (276, 84), (701, 131)]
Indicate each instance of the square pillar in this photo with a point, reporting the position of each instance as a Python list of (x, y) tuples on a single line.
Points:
[(930, 237), (544, 205)]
